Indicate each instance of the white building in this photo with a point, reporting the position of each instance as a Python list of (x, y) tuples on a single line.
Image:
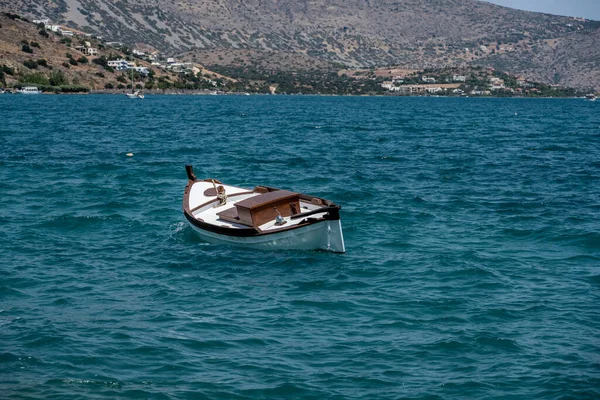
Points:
[(387, 85), (434, 90), (459, 78), (120, 64), (141, 70), (428, 79), (44, 21)]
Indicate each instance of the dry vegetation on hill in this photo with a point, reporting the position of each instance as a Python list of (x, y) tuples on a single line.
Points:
[(290, 34), (33, 55)]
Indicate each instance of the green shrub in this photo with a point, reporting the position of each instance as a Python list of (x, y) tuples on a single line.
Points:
[(120, 86), (30, 64), (121, 79), (109, 86), (72, 61), (34, 78), (164, 85), (102, 61), (43, 33), (66, 65), (57, 78), (27, 49), (82, 60), (74, 89), (12, 16), (7, 70), (43, 63), (34, 44), (100, 74)]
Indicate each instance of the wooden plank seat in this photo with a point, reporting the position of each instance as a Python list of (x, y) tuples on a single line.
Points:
[(230, 215), (257, 210)]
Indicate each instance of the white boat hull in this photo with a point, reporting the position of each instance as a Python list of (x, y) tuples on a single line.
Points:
[(325, 235)]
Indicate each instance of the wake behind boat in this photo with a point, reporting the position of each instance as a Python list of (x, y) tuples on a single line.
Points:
[(263, 217)]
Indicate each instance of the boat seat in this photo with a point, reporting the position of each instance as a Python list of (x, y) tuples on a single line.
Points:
[(231, 215)]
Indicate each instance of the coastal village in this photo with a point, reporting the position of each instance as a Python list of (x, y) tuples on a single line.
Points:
[(469, 82), (35, 57), (115, 67)]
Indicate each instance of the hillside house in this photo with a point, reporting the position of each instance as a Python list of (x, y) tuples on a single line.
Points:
[(120, 64), (428, 79), (434, 90), (44, 21), (459, 78), (141, 70), (522, 82), (497, 85)]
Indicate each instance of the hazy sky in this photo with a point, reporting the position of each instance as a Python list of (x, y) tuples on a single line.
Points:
[(575, 8)]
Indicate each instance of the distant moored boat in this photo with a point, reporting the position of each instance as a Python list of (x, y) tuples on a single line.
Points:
[(29, 90)]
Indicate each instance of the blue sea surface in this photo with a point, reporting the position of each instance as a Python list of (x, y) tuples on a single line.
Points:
[(472, 230)]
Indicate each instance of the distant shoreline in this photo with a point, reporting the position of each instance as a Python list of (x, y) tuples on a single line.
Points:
[(202, 92)]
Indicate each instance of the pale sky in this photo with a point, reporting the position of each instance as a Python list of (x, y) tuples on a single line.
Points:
[(574, 8)]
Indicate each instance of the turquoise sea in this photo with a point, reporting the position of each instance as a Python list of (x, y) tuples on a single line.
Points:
[(472, 230)]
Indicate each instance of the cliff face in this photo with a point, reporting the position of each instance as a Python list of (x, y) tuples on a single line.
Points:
[(356, 33)]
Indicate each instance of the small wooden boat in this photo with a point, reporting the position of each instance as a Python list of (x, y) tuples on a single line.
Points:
[(263, 217)]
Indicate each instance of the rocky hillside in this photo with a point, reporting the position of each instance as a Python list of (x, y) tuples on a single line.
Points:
[(355, 33), (30, 55), (573, 61)]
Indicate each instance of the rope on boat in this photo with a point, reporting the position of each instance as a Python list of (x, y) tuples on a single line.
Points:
[(221, 194)]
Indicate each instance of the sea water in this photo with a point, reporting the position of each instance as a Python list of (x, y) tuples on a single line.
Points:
[(472, 232)]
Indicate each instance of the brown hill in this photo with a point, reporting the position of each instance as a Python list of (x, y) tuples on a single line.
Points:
[(29, 54), (355, 33)]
